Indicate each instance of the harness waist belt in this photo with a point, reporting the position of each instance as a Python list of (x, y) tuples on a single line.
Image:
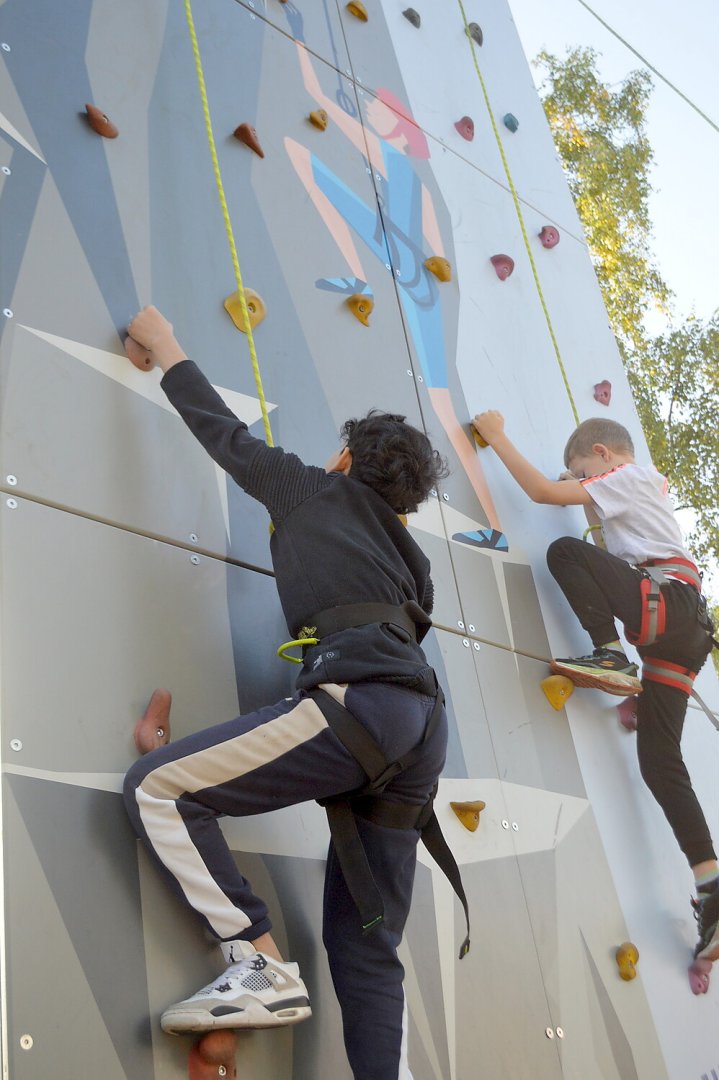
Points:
[(682, 569), (409, 617)]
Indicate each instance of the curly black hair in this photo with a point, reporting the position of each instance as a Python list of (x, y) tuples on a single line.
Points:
[(393, 458)]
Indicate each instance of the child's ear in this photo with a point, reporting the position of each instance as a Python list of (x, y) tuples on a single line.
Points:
[(601, 451), (344, 462)]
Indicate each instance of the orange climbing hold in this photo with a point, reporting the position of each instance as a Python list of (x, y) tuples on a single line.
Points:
[(100, 123), (439, 267), (627, 956), (503, 266), (255, 309), (557, 690), (213, 1057), (153, 728), (478, 438), (468, 813), (358, 10), (247, 134), (319, 119), (403, 519), (361, 307)]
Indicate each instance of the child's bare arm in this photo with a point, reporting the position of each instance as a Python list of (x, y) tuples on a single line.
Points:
[(539, 487)]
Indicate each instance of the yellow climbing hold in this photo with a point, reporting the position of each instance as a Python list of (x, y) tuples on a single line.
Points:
[(557, 690), (319, 119), (403, 519), (627, 956), (478, 438), (361, 307), (255, 309), (468, 813), (439, 267), (358, 10)]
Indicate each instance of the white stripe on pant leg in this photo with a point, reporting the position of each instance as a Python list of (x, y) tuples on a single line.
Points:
[(404, 1073), (225, 761)]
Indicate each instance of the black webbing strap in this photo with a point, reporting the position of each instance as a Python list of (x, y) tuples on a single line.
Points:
[(409, 616), (368, 804)]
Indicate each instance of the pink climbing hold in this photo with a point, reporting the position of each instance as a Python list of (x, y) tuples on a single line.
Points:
[(603, 392), (503, 266), (699, 973), (549, 236), (627, 713), (465, 127)]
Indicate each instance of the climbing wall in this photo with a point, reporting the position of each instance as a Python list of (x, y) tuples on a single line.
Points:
[(129, 562)]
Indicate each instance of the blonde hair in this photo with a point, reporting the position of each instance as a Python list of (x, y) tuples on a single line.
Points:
[(597, 430)]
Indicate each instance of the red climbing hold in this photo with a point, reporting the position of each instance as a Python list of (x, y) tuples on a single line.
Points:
[(603, 392), (213, 1057), (152, 730), (549, 236), (247, 134), (465, 127), (100, 123), (503, 266), (627, 713)]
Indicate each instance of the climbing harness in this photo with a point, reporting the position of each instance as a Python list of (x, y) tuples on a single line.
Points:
[(228, 223)]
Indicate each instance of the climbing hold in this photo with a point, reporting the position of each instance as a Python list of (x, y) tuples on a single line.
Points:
[(627, 713), (139, 355), (403, 519), (478, 438), (557, 690), (468, 813), (465, 127), (603, 392), (356, 8), (503, 266), (475, 32), (100, 123), (361, 307), (153, 728), (247, 134), (511, 122), (699, 972), (255, 308), (439, 267), (627, 956), (549, 236), (319, 119), (213, 1057), (413, 16)]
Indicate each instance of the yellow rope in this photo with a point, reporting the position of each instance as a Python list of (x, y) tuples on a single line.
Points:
[(228, 223), (518, 208)]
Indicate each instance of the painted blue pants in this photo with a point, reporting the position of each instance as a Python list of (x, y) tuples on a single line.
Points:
[(279, 756)]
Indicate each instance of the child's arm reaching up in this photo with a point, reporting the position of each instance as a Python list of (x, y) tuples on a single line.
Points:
[(539, 487)]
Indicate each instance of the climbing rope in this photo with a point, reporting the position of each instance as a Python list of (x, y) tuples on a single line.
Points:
[(518, 208), (228, 223)]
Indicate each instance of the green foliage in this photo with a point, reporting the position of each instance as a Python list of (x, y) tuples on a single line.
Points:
[(600, 133)]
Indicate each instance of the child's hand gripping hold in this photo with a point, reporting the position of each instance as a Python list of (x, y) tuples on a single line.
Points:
[(151, 341)]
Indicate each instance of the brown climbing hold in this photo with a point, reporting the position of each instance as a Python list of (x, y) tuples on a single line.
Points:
[(100, 123), (465, 127), (319, 119), (141, 357), (413, 16), (603, 392), (503, 266), (627, 956), (213, 1057), (255, 308), (361, 307), (153, 728), (557, 690), (478, 438), (549, 236), (247, 134), (356, 8), (468, 813), (439, 267)]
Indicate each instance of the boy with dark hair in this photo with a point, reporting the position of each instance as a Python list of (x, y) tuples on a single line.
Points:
[(642, 575), (356, 586)]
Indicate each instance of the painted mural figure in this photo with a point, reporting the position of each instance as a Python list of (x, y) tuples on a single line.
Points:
[(405, 222), (666, 619), (337, 547)]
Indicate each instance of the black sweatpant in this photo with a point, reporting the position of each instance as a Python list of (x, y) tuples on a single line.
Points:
[(601, 588)]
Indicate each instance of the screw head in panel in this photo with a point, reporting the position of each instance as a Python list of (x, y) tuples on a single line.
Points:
[(11, 503), (12, 480), (445, 497), (515, 826), (16, 745), (560, 1033), (7, 312), (195, 560), (549, 1033), (221, 1070), (5, 47), (505, 823), (193, 538), (409, 371), (26, 1042), (476, 645), (433, 493), (465, 642), (460, 624), (6, 170)]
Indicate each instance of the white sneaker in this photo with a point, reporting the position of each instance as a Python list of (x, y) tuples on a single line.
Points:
[(257, 992)]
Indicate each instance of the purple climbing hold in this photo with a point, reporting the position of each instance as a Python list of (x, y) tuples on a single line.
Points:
[(627, 713), (503, 266), (549, 236), (465, 127), (603, 392), (413, 16), (511, 121)]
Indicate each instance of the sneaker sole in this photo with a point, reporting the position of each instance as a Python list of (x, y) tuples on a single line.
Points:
[(255, 1015), (611, 682)]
